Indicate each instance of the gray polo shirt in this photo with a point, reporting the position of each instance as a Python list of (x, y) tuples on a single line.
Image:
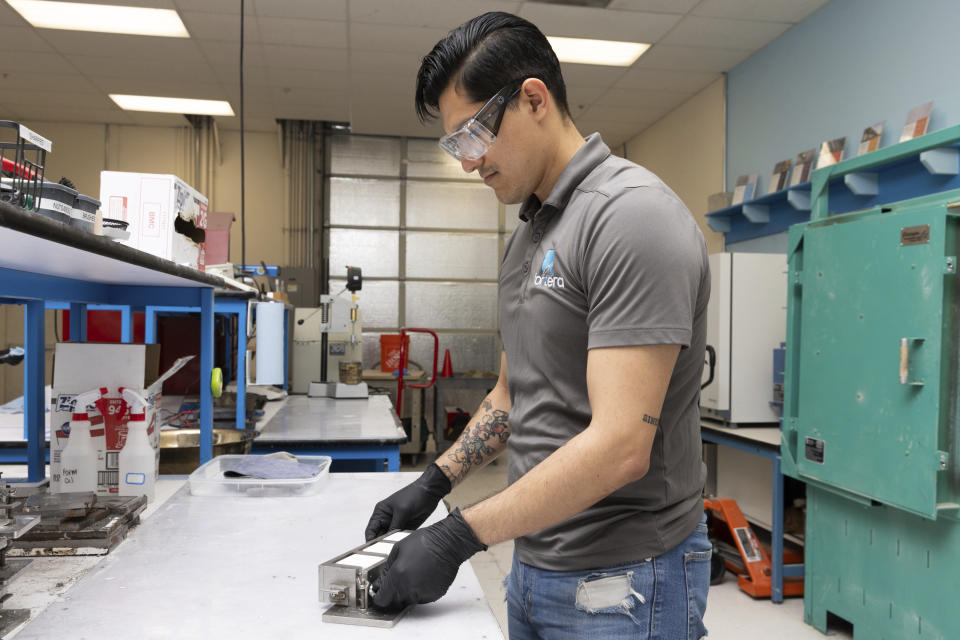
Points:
[(612, 258)]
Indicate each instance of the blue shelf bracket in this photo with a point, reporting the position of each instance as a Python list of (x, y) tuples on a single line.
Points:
[(720, 224), (799, 199), (757, 213), (862, 184), (944, 161)]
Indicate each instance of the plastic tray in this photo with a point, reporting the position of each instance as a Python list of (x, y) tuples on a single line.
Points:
[(208, 480)]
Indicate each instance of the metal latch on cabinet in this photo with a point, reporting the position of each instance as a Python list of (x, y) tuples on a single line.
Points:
[(346, 583)]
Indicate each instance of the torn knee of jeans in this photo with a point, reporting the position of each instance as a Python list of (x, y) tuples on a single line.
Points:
[(608, 593)]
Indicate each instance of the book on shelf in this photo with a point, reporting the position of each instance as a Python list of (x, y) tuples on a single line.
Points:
[(831, 152), (746, 188), (917, 121), (781, 172), (870, 140), (719, 200), (802, 167)]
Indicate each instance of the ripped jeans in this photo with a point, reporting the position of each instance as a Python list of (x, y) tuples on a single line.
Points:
[(661, 598)]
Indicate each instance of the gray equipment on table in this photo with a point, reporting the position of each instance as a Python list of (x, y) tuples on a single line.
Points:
[(345, 582), (11, 526), (323, 337)]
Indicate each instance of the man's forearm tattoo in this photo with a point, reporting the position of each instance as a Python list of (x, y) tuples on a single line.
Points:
[(474, 446), (654, 421)]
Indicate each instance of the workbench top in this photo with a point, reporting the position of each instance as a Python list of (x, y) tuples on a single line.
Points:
[(302, 419), (237, 568)]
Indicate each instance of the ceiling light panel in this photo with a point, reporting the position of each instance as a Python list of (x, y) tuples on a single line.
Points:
[(173, 105), (101, 18), (603, 52)]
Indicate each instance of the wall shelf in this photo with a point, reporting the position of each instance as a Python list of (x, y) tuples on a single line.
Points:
[(928, 164)]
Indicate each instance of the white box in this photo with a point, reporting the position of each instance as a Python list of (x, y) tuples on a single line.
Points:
[(746, 321), (80, 367), (167, 217)]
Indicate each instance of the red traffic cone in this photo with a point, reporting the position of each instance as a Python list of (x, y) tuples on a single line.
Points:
[(447, 370)]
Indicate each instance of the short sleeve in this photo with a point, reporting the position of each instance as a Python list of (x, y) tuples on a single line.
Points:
[(643, 261)]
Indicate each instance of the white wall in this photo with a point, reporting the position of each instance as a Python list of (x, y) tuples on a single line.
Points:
[(686, 149)]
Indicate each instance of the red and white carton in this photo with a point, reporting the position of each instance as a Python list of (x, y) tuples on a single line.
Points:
[(166, 216), (80, 367)]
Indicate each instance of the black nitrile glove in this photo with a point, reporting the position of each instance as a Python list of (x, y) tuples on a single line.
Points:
[(410, 506), (422, 566)]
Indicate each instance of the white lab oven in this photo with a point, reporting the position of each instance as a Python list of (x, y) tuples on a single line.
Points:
[(746, 321)]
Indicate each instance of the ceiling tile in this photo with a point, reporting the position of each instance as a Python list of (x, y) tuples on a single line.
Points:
[(206, 27), (302, 32), (22, 39), (654, 6), (334, 113), (389, 87), (582, 97), (401, 64), (276, 79), (148, 119), (445, 14), (223, 54), (147, 86), (588, 75), (623, 115), (674, 57), (55, 99), (63, 82), (384, 37), (66, 113), (282, 56), (644, 98), (112, 44), (311, 9), (661, 80), (33, 62), (772, 10), (698, 31), (106, 66), (601, 24)]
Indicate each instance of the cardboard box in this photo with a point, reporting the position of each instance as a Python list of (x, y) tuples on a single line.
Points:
[(80, 367), (166, 216)]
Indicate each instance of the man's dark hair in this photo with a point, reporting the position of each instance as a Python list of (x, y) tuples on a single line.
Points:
[(482, 56)]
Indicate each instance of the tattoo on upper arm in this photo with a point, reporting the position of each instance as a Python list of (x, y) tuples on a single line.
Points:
[(654, 421), (475, 445)]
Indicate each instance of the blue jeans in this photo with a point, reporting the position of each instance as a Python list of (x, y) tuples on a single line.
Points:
[(661, 598)]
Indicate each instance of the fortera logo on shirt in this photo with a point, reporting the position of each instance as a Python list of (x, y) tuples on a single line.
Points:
[(547, 277)]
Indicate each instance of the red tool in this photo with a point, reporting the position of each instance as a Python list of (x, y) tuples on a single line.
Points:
[(755, 558), (12, 167), (403, 365)]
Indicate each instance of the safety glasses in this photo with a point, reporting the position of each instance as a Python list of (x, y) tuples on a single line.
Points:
[(474, 138)]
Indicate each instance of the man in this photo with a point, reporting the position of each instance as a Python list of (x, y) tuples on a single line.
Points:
[(602, 298)]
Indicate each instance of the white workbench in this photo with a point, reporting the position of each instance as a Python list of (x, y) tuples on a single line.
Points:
[(238, 567)]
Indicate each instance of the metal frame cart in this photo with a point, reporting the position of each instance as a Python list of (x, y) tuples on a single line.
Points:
[(43, 260)]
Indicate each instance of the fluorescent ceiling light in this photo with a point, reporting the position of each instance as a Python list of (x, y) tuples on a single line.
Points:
[(173, 105), (606, 52), (104, 18)]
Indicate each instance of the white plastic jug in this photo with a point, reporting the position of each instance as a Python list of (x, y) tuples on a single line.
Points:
[(78, 460), (138, 460)]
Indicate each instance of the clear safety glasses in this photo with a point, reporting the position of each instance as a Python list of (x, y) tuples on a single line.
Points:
[(472, 140)]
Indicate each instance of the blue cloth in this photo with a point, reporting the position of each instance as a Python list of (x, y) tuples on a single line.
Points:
[(662, 598)]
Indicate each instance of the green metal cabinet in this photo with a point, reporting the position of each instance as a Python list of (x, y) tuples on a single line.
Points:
[(873, 295), (871, 415)]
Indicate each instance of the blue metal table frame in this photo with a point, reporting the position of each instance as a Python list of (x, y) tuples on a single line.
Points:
[(43, 260), (779, 570)]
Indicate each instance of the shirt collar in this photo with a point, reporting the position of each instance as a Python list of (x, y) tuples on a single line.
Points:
[(585, 160)]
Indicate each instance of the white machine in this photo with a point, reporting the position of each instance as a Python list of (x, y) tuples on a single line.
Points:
[(747, 320), (323, 338)]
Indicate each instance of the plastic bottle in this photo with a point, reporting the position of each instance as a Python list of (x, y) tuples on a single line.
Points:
[(78, 460), (138, 459)]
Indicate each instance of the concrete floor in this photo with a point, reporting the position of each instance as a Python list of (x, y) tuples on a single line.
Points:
[(731, 614)]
